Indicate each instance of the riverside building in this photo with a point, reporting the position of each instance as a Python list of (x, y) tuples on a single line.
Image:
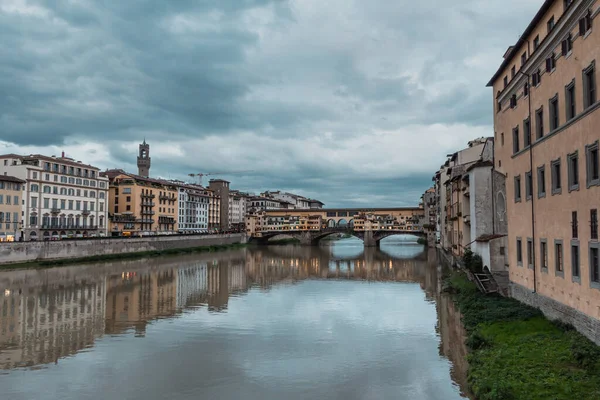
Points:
[(11, 191), (62, 197), (545, 99)]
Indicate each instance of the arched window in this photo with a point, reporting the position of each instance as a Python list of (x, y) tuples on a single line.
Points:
[(35, 188), (63, 191), (33, 219), (101, 195), (47, 189), (91, 221), (101, 221), (92, 194), (71, 192)]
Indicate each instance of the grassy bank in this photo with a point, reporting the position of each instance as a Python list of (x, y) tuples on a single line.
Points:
[(516, 353), (120, 256)]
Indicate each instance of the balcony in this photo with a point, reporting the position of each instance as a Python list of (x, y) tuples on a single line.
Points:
[(85, 212), (166, 197), (148, 203), (148, 196), (123, 218), (147, 212), (55, 210)]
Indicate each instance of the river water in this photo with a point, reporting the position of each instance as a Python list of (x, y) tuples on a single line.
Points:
[(278, 322)]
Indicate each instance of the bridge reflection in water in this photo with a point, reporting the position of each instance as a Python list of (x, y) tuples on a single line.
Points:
[(46, 315)]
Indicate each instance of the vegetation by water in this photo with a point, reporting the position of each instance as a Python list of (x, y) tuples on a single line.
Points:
[(516, 353), (120, 256)]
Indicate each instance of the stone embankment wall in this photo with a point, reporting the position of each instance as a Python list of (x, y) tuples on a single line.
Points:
[(552, 309), (21, 252)]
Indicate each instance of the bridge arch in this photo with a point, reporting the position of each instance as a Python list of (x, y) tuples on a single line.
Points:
[(331, 223), (342, 223)]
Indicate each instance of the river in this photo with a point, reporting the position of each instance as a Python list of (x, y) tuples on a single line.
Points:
[(279, 322)]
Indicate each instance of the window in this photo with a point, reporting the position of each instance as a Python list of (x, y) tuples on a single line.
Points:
[(536, 78), (523, 59), (574, 225), (567, 45), (550, 63), (528, 186), (70, 204), (556, 177), (526, 89), (126, 191), (541, 177), (591, 152), (594, 224), (505, 81), (539, 123), (575, 269), (570, 100), (34, 202), (46, 203), (554, 113), (558, 258), (530, 252), (502, 139), (78, 205), (101, 206), (526, 133), (515, 134), (517, 189), (519, 252), (589, 86), (550, 24), (513, 71), (585, 23), (536, 42), (594, 266), (128, 199), (573, 167), (513, 101), (128, 207), (543, 254)]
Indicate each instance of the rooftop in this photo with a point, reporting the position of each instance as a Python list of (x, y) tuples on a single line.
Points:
[(8, 178)]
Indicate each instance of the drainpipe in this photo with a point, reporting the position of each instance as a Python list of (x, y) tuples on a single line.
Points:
[(533, 258)]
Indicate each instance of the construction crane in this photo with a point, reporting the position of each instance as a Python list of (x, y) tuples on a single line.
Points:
[(200, 175)]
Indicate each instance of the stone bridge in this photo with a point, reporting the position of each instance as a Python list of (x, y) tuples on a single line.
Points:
[(312, 237)]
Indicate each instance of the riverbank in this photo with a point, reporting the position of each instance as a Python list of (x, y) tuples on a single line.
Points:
[(76, 251), (516, 353), (118, 257)]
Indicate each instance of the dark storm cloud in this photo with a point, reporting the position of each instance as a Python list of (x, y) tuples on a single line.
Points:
[(349, 101)]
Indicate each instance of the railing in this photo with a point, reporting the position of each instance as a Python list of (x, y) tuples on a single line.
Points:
[(148, 196), (148, 203), (85, 212), (147, 212), (68, 226), (55, 210)]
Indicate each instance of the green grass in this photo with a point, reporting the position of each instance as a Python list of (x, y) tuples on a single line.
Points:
[(516, 353), (120, 256)]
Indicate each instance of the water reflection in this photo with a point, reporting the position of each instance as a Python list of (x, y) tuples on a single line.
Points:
[(50, 314)]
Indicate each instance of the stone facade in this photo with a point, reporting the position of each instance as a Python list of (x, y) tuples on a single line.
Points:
[(11, 191)]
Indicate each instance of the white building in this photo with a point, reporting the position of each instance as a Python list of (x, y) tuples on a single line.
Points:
[(62, 197), (193, 209), (294, 200), (238, 207), (266, 203)]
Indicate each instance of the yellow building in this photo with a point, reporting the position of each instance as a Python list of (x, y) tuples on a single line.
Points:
[(545, 121), (11, 189), (141, 206)]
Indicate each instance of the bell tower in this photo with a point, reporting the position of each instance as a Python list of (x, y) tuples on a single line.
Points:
[(143, 160)]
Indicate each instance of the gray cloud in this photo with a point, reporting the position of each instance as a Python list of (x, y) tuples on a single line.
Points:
[(351, 102)]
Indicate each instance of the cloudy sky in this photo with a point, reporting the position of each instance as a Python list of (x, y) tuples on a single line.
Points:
[(353, 102)]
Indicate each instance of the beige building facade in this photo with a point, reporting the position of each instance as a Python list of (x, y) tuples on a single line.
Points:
[(545, 121), (63, 198), (11, 192)]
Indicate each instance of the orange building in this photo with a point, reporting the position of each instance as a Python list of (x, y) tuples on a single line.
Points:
[(545, 121)]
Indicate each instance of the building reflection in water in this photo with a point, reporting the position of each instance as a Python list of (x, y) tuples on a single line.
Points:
[(50, 314)]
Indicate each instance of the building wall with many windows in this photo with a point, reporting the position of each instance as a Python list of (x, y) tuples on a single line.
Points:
[(11, 191), (194, 204), (62, 198), (141, 206), (545, 121)]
